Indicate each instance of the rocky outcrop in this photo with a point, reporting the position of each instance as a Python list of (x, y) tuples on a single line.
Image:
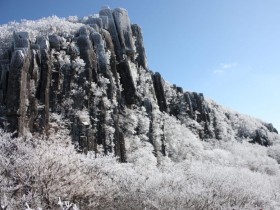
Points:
[(124, 30), (113, 31), (95, 78), (139, 45), (159, 90), (4, 69), (260, 137)]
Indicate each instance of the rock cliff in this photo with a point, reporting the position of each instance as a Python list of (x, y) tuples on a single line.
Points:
[(97, 78)]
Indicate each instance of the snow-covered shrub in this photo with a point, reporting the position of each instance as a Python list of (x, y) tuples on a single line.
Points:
[(274, 152), (44, 26), (241, 155), (181, 143), (38, 171)]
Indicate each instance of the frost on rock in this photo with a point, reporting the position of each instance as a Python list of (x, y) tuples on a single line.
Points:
[(113, 30), (21, 40), (83, 116), (43, 42), (139, 46), (93, 72), (79, 94), (124, 29), (100, 50)]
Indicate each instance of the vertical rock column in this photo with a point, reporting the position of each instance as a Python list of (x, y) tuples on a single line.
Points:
[(33, 79), (4, 74), (159, 90), (16, 94), (55, 94), (44, 84), (103, 62), (101, 133), (123, 26), (113, 31), (188, 100), (17, 100), (149, 109), (139, 44), (121, 33), (199, 111), (119, 148), (88, 55)]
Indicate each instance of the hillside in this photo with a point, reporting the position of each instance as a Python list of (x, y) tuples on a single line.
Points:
[(86, 81)]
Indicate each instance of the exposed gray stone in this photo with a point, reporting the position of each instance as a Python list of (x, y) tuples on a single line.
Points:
[(139, 44), (55, 41), (179, 89), (105, 22), (84, 31), (260, 137), (148, 105), (21, 40), (270, 127), (17, 93), (43, 42), (188, 100), (34, 47), (95, 27), (95, 20), (100, 51), (123, 26), (88, 55), (4, 74), (113, 31), (159, 90), (129, 89), (103, 60), (149, 109), (44, 89)]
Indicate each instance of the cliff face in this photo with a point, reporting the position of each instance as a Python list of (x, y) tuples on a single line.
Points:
[(98, 79)]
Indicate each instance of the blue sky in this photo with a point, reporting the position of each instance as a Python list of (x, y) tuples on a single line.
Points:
[(228, 50)]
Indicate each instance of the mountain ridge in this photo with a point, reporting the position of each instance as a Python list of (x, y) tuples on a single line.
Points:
[(85, 124), (96, 66)]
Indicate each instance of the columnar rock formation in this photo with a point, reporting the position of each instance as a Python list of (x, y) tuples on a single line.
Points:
[(95, 78)]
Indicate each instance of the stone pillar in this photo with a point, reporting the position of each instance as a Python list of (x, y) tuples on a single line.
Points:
[(139, 44), (159, 90), (44, 84), (113, 31), (123, 26)]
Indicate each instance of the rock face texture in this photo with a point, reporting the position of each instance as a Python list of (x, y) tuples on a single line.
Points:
[(98, 80)]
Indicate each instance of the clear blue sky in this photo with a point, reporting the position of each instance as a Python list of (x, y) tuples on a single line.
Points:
[(227, 49)]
